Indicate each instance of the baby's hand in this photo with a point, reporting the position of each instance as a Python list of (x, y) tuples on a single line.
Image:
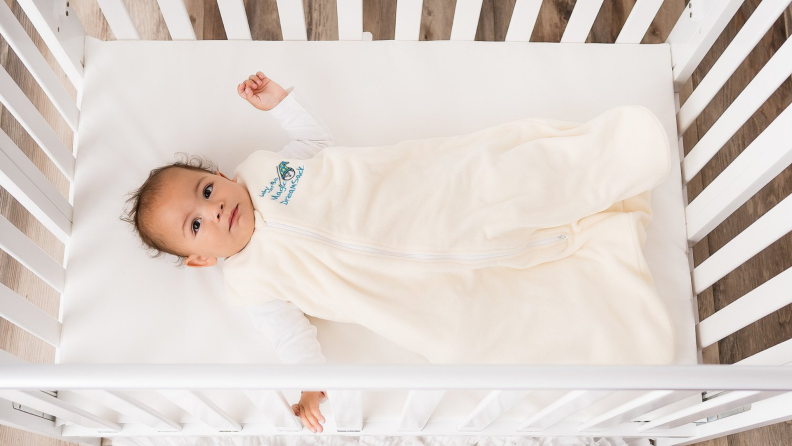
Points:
[(308, 410), (261, 91)]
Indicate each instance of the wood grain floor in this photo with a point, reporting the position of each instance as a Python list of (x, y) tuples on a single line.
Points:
[(379, 19)]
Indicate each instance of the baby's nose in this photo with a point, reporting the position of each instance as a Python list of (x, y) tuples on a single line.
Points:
[(218, 214)]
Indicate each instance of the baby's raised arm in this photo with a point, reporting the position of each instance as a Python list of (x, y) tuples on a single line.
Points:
[(307, 133)]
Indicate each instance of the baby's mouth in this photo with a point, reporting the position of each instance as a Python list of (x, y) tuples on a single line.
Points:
[(233, 216)]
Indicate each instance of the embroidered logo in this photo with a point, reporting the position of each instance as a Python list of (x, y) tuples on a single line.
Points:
[(281, 180)]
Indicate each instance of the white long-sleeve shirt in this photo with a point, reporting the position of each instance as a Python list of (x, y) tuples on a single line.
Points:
[(284, 324)]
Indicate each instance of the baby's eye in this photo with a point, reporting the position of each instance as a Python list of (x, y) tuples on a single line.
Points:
[(208, 190), (196, 225)]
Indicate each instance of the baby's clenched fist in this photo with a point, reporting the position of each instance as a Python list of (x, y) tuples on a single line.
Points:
[(261, 91)]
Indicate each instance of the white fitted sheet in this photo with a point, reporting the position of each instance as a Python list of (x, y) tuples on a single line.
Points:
[(145, 100)]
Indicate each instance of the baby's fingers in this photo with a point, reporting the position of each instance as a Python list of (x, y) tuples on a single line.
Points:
[(312, 423), (318, 414), (255, 80), (261, 75)]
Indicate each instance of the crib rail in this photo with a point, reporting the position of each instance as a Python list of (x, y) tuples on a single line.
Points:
[(758, 382)]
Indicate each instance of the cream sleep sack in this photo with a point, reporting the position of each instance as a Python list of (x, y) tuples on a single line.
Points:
[(518, 243)]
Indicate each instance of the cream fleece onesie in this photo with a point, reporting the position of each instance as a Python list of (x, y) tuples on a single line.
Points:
[(517, 243)]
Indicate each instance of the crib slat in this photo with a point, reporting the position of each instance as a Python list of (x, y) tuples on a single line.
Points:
[(642, 405), (765, 299), (276, 409), (750, 34), (779, 354), (118, 19), (27, 192), (408, 19), (127, 405), (719, 404), (765, 158), (63, 34), (639, 20), (698, 27), (197, 404), (418, 407), (466, 18), (350, 19), (347, 409), (581, 21), (23, 110), (770, 227), (24, 314), (21, 248), (292, 20), (561, 408), (523, 20), (776, 71), (29, 54), (47, 403), (490, 408), (9, 359), (234, 19), (177, 19)]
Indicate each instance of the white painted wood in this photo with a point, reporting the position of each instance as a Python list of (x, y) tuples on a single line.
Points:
[(32, 198), (29, 54), (118, 19), (47, 403), (127, 405), (292, 20), (750, 34), (561, 408), (395, 377), (23, 163), (779, 354), (763, 413), (698, 27), (198, 404), (763, 300), (26, 315), (523, 20), (63, 34), (174, 12), (642, 405), (466, 18), (765, 158), (492, 406), (350, 19), (378, 427), (23, 110), (31, 423), (721, 403), (408, 19), (581, 21), (639, 21), (21, 248), (418, 407), (9, 359), (347, 409), (765, 83), (234, 19), (276, 409), (770, 227)]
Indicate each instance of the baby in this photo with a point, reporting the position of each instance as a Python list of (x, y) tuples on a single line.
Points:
[(194, 212), (475, 248)]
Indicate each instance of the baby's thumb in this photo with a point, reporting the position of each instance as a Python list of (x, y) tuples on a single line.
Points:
[(296, 409)]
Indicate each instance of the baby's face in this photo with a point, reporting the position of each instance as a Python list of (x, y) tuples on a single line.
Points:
[(204, 215)]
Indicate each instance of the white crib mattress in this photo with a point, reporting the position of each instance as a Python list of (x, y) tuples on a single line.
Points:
[(145, 100)]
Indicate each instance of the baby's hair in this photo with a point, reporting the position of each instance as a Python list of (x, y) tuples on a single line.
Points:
[(142, 198)]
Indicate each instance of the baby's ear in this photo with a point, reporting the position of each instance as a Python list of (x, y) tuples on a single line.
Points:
[(196, 261)]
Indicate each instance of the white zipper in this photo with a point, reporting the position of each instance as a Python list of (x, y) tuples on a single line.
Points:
[(544, 241)]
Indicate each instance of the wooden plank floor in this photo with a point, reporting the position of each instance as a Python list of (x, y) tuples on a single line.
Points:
[(379, 19)]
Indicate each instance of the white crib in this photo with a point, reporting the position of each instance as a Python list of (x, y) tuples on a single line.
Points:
[(133, 395)]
